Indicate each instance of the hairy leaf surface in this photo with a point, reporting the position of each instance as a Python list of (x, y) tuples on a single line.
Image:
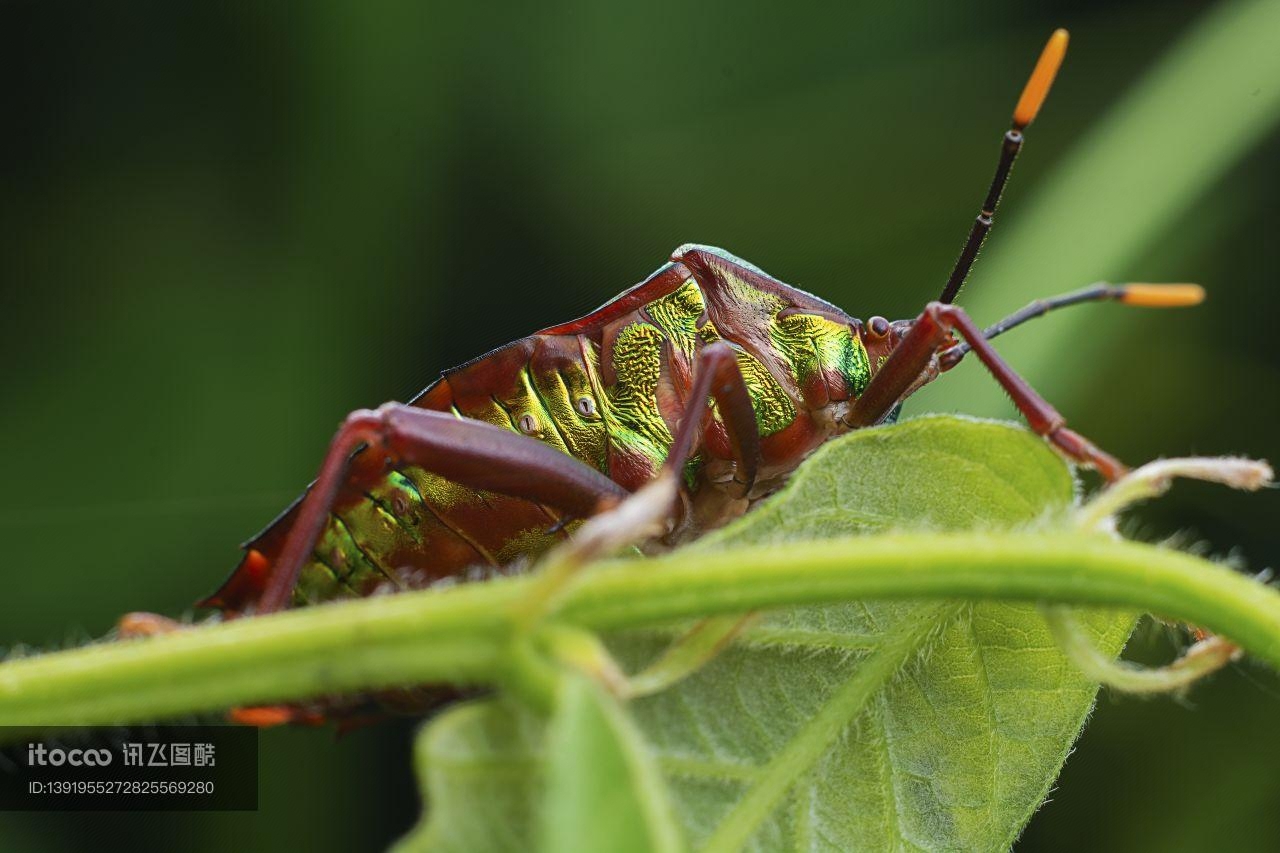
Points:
[(859, 726)]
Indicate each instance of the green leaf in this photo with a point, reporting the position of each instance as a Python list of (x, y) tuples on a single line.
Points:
[(481, 768), (487, 765), (849, 726), (603, 791)]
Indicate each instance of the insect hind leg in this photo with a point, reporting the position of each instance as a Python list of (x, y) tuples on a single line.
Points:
[(470, 453)]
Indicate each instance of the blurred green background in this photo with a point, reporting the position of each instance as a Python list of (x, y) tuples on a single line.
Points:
[(225, 225)]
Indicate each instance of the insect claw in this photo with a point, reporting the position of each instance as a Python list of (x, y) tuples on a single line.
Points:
[(561, 524), (139, 624)]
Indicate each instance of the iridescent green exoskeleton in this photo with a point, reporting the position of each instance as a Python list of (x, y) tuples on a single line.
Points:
[(607, 394)]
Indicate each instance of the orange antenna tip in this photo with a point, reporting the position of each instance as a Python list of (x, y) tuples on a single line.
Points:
[(1037, 88), (1162, 295)]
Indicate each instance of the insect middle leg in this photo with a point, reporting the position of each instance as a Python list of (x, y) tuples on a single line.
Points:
[(916, 351), (716, 378)]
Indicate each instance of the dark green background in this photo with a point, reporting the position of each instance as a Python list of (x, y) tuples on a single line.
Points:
[(223, 226)]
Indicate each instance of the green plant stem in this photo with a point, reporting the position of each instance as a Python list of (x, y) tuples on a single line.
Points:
[(1078, 645), (461, 634), (1062, 568), (457, 637)]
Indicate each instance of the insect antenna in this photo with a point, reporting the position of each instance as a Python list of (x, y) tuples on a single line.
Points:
[(1141, 295), (1033, 95)]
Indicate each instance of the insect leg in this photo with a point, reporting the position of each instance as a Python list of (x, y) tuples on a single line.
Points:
[(915, 354), (142, 624), (471, 453), (650, 509), (716, 377)]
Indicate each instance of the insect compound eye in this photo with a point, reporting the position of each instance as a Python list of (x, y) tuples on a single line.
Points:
[(586, 407), (528, 424), (879, 326)]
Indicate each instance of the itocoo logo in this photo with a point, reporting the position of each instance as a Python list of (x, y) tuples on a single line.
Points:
[(39, 754)]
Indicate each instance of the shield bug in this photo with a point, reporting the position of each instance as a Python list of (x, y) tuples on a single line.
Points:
[(709, 370)]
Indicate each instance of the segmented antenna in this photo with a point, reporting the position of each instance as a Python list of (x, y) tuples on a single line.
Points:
[(1141, 294), (1033, 95)]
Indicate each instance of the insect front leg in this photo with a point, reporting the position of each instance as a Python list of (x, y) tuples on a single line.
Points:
[(915, 353)]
